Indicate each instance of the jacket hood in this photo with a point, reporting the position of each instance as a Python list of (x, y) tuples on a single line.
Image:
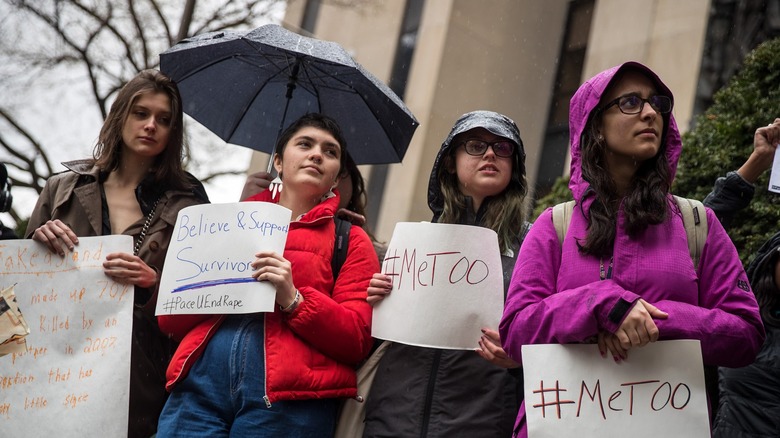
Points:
[(495, 123), (762, 263), (587, 99)]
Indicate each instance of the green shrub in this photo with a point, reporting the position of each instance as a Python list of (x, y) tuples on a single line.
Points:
[(558, 193), (723, 139)]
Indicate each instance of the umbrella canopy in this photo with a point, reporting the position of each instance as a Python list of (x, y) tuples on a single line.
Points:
[(247, 87)]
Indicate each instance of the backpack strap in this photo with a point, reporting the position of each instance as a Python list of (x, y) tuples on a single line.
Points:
[(693, 214), (340, 246), (561, 216), (695, 221)]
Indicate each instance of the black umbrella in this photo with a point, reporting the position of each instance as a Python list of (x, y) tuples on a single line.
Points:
[(247, 87)]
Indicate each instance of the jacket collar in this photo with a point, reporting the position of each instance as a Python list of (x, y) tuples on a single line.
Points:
[(325, 209)]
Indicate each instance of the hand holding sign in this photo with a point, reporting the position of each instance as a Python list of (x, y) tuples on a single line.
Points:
[(378, 288), (208, 268), (490, 349), (765, 145)]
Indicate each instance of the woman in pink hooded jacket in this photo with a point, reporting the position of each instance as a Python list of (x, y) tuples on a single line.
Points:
[(623, 276)]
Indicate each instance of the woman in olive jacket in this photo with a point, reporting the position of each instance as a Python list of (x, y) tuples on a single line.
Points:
[(134, 185)]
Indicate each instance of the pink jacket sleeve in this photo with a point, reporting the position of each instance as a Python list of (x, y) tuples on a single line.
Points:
[(537, 313)]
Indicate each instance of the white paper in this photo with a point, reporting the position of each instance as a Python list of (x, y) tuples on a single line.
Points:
[(447, 285), (74, 378), (774, 177), (570, 390), (207, 268)]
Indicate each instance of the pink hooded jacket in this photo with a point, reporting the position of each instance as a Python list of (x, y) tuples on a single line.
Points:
[(556, 295)]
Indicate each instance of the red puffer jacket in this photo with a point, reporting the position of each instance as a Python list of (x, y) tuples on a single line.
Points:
[(311, 353)]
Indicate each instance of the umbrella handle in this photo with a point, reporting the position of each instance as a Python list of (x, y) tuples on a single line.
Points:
[(270, 164), (291, 82)]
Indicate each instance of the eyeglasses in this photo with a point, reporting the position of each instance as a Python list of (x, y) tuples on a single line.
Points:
[(502, 148), (633, 104)]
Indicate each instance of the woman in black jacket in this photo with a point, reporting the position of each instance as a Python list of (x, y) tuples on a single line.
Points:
[(478, 178), (750, 396)]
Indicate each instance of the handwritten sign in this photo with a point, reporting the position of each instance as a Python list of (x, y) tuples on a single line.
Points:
[(75, 375), (447, 285), (208, 264), (774, 175), (570, 390)]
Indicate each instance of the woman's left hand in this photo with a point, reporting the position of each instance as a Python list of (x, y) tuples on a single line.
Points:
[(125, 268), (608, 342), (272, 267), (490, 350)]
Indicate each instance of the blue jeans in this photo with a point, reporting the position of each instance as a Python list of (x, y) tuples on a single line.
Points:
[(222, 396)]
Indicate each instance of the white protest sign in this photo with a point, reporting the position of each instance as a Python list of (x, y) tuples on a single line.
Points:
[(75, 376), (447, 285), (774, 176), (570, 390), (207, 267)]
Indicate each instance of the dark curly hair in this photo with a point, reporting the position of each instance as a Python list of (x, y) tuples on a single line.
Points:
[(644, 204)]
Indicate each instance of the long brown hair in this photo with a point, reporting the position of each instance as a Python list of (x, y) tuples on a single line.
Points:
[(168, 167), (504, 212), (645, 203)]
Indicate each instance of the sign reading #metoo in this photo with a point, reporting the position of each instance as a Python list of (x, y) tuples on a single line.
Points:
[(74, 377), (208, 265), (447, 285), (570, 390)]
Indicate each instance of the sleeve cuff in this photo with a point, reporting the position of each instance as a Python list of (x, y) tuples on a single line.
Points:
[(618, 312)]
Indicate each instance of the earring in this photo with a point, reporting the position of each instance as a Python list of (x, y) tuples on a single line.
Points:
[(330, 193), (276, 186), (600, 138)]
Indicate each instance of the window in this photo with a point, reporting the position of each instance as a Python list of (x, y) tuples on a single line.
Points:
[(567, 80)]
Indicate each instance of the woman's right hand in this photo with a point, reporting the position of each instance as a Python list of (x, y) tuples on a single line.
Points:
[(255, 183), (378, 288), (637, 329), (54, 234), (765, 141)]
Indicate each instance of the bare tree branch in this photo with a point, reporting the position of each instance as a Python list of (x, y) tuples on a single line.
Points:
[(186, 21), (39, 151), (22, 161), (214, 175), (104, 23), (91, 48), (139, 28)]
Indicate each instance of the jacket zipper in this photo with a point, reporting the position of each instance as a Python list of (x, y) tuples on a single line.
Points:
[(265, 361), (265, 370), (189, 356), (429, 393)]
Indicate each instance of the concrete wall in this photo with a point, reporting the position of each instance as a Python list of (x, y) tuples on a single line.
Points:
[(665, 35), (496, 55), (501, 55)]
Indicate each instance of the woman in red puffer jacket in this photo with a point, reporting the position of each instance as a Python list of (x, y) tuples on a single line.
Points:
[(281, 373)]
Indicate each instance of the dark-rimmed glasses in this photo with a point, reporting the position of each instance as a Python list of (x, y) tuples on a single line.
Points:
[(502, 148), (633, 104)]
